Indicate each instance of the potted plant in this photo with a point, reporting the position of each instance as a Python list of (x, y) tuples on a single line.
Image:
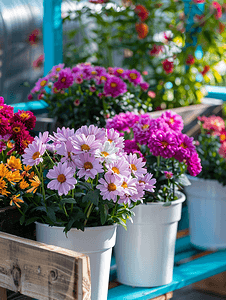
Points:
[(145, 252), (87, 94), (77, 186), (206, 194)]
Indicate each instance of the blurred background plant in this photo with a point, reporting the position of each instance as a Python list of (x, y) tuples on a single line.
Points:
[(177, 49)]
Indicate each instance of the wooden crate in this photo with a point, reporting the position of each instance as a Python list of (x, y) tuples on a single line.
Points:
[(214, 285), (41, 271)]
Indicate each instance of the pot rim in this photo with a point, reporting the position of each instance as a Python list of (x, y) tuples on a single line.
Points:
[(86, 228), (180, 200)]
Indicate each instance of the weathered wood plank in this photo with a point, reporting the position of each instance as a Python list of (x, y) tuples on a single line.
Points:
[(166, 296), (43, 271), (3, 294)]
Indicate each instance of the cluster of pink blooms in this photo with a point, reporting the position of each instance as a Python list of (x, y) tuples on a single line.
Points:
[(163, 136), (87, 153), (113, 81), (215, 125), (14, 128)]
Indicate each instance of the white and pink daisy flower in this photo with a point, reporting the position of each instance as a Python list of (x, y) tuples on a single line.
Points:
[(62, 179), (114, 136), (110, 187), (88, 166), (147, 182), (119, 168), (83, 144), (66, 150), (107, 153), (62, 135), (136, 165), (43, 137), (33, 153), (99, 133)]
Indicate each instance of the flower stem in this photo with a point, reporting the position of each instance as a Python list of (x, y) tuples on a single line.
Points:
[(88, 214), (173, 175)]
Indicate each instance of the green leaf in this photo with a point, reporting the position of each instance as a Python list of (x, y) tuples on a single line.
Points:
[(103, 214), (51, 214), (92, 196), (167, 204), (68, 200)]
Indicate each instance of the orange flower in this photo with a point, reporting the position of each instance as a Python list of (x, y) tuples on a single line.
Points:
[(142, 12), (142, 30), (221, 27), (35, 184), (14, 163), (3, 186), (23, 185), (15, 200), (14, 176)]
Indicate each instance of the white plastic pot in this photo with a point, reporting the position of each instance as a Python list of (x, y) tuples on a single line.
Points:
[(97, 242), (145, 252), (207, 213)]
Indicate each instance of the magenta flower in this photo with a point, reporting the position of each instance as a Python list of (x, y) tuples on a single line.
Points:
[(134, 76), (142, 129), (62, 179), (122, 121), (88, 166), (131, 146), (168, 174), (136, 165), (185, 147), (144, 86), (114, 86), (110, 187), (119, 72), (33, 153), (65, 79), (163, 143), (174, 120), (194, 164)]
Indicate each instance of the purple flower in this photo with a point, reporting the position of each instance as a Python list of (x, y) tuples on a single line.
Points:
[(168, 174), (119, 72), (194, 164), (110, 187), (136, 165), (163, 143), (114, 87), (114, 136), (65, 79), (131, 146), (185, 147), (144, 86), (142, 129), (147, 182), (134, 76), (174, 120), (88, 166), (122, 121), (33, 153)]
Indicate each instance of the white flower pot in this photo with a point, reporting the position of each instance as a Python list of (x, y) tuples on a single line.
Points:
[(207, 213), (145, 252), (96, 242)]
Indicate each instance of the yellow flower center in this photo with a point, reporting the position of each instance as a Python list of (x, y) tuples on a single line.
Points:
[(141, 181), (36, 155), (1, 107), (58, 69), (109, 140), (113, 84), (183, 145), (222, 137), (115, 170), (93, 72), (165, 144), (61, 178), (88, 165), (133, 167), (103, 78), (85, 147), (120, 71), (63, 79), (104, 153), (124, 185), (171, 120), (145, 126), (24, 115), (133, 75), (111, 187), (43, 82), (16, 129)]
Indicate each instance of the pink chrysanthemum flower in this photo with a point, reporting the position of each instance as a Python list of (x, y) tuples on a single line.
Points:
[(33, 153), (174, 120), (194, 166), (119, 72), (134, 76), (26, 117), (83, 144), (6, 111), (56, 69), (222, 150), (163, 143), (119, 168), (40, 84), (185, 147), (88, 166), (4, 125), (168, 174), (131, 146), (122, 121), (114, 86), (136, 165), (147, 182), (101, 71), (99, 133), (62, 179), (213, 123), (16, 129), (114, 136), (144, 86), (142, 129), (65, 79), (110, 187), (22, 141)]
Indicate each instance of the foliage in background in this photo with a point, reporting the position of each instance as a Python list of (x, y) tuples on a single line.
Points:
[(211, 147), (151, 38), (168, 152)]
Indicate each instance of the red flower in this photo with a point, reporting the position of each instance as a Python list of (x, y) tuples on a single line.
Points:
[(142, 12), (39, 61), (156, 50), (199, 1), (199, 19), (168, 37), (34, 37), (190, 60), (217, 9), (167, 66), (205, 70), (142, 30)]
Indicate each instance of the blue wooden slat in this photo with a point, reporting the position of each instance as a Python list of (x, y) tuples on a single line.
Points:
[(52, 34), (216, 92), (38, 107), (184, 275), (183, 244)]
